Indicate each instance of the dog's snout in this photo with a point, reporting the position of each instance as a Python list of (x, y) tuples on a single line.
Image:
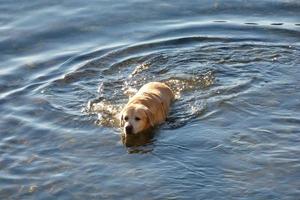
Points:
[(128, 129)]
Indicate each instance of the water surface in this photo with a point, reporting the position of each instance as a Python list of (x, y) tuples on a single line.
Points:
[(233, 132)]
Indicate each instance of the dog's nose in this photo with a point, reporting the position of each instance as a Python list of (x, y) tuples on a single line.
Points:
[(128, 129)]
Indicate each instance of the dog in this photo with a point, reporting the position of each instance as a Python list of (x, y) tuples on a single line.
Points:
[(147, 108)]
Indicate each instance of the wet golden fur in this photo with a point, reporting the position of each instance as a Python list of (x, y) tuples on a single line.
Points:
[(147, 108)]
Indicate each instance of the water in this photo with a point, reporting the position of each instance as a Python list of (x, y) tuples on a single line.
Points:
[(233, 132)]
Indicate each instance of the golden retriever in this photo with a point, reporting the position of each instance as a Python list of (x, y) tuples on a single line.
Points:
[(147, 108)]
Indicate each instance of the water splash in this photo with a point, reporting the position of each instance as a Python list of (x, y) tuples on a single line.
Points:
[(180, 85), (108, 110), (140, 68)]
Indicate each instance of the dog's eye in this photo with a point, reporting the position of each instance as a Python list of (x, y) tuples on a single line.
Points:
[(137, 119), (125, 118)]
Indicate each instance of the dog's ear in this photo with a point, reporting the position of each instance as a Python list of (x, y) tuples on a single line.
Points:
[(150, 116)]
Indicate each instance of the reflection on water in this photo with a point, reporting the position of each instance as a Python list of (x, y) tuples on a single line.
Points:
[(68, 68), (140, 142)]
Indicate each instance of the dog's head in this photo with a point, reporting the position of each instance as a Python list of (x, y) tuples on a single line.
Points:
[(136, 118)]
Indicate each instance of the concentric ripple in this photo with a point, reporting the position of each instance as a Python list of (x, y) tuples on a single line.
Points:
[(68, 68)]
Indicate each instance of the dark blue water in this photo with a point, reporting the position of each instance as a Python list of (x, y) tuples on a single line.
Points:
[(233, 132)]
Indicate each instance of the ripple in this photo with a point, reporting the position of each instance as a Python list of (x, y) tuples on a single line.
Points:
[(277, 24), (220, 21), (232, 131), (159, 61), (251, 23)]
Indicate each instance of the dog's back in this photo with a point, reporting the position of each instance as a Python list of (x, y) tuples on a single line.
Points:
[(157, 97)]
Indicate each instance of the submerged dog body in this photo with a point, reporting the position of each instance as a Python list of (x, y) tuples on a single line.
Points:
[(147, 108)]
